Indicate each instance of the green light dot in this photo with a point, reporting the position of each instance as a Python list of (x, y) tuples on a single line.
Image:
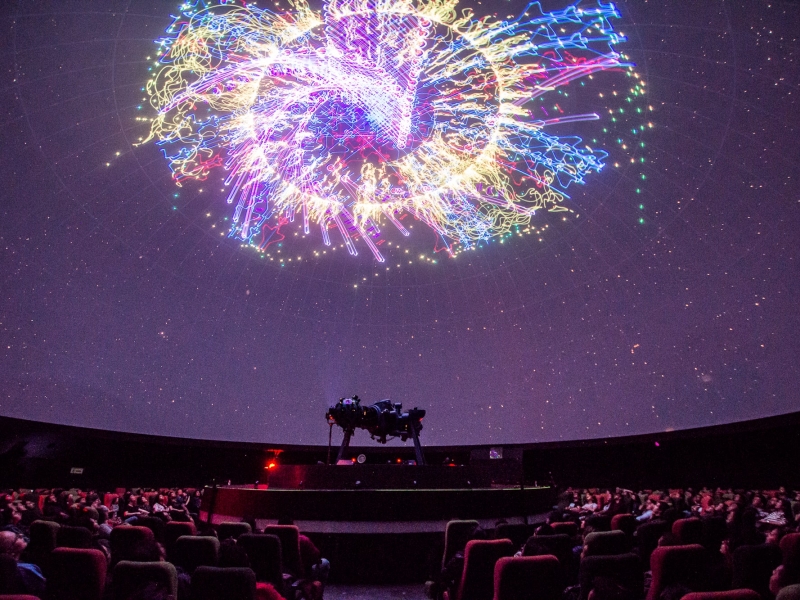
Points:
[(641, 221), (641, 207)]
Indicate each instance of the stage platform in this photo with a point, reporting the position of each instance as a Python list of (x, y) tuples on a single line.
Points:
[(383, 534)]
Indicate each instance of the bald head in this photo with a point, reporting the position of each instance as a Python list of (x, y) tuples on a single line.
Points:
[(11, 544)]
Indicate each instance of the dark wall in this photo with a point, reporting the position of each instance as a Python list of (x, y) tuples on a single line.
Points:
[(758, 453)]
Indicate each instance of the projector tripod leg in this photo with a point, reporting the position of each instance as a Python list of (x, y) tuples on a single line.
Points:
[(348, 433), (417, 445)]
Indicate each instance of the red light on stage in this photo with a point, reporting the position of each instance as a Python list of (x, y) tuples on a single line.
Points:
[(353, 459), (451, 465), (399, 460), (271, 465)]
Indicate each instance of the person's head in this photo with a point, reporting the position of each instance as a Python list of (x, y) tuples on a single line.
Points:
[(607, 588), (12, 544), (533, 548), (774, 535)]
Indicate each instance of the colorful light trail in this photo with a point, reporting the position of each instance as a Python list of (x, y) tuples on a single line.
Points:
[(352, 118)]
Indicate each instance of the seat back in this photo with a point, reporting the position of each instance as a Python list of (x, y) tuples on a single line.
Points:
[(132, 578), (790, 547), (480, 556), (624, 522), (125, 538), (10, 579), (790, 592), (559, 545), (685, 565), (43, 536), (743, 594), (231, 583), (76, 574), (647, 536), (625, 569), (715, 529), (753, 566), (264, 552), (192, 551), (566, 527), (172, 531), (73, 537), (232, 530), (518, 533), (154, 524), (688, 531), (598, 522), (456, 536), (17, 597), (289, 535), (604, 543), (527, 578)]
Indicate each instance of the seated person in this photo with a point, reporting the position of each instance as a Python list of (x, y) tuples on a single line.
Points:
[(31, 580)]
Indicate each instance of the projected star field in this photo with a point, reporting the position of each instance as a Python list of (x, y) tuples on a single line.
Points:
[(538, 222)]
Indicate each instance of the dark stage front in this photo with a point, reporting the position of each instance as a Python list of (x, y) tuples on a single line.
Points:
[(378, 523)]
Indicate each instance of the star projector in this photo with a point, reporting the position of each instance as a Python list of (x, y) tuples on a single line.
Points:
[(383, 419)]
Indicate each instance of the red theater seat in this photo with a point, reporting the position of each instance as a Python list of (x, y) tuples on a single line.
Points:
[(790, 547), (604, 543), (477, 579), (688, 531), (753, 566), (624, 522), (625, 569), (566, 527), (232, 583), (18, 597), (685, 565), (232, 530), (73, 537), (527, 578), (192, 551), (76, 574), (124, 540), (743, 594), (456, 535), (264, 552), (131, 578), (289, 535), (172, 531)]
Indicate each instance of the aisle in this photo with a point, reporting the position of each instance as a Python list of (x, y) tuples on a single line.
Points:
[(414, 591)]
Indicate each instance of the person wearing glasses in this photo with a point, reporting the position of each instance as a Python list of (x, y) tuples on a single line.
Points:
[(30, 580)]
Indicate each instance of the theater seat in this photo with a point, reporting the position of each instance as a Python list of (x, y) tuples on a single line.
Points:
[(624, 522), (753, 566), (231, 583), (518, 533), (76, 574), (172, 531), (43, 535), (289, 535), (743, 594), (598, 522), (477, 579), (559, 545), (685, 565), (264, 552), (73, 537), (131, 578), (647, 536), (790, 547), (456, 535), (527, 578), (125, 538), (625, 569), (688, 531), (193, 551), (154, 524), (232, 530), (790, 592), (566, 527), (18, 597), (604, 543)]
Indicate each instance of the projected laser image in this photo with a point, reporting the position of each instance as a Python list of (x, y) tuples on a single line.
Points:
[(355, 119)]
